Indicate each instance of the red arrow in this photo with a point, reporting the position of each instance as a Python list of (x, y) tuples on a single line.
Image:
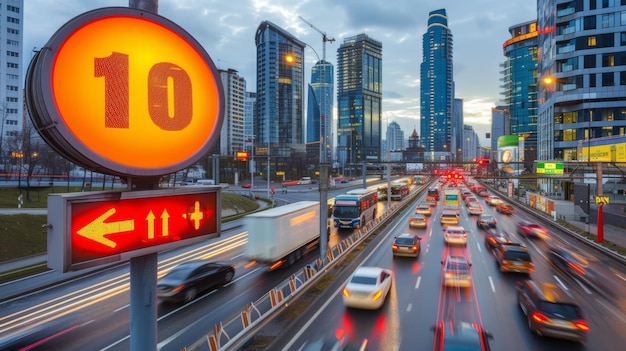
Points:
[(97, 229)]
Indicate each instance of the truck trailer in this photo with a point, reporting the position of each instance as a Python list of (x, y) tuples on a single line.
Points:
[(282, 235)]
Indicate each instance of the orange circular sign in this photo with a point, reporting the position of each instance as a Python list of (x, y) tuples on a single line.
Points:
[(132, 92)]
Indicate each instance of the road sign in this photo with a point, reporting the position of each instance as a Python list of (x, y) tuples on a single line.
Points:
[(125, 90), (602, 200), (96, 228)]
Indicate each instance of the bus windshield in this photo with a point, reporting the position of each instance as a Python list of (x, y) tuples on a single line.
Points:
[(346, 212)]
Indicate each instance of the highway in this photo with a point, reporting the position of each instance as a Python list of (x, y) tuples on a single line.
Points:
[(92, 312)]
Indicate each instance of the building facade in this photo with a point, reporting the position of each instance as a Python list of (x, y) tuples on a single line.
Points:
[(582, 74), (359, 100), (456, 141), (395, 137), (11, 67), (520, 85), (471, 144), (280, 90), (232, 134), (437, 87), (320, 106)]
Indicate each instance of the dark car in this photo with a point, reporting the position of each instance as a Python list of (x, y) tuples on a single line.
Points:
[(514, 257), (406, 245), (532, 230), (187, 280), (495, 238), (486, 221), (459, 335), (549, 312)]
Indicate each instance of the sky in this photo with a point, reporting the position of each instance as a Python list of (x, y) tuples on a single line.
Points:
[(226, 30)]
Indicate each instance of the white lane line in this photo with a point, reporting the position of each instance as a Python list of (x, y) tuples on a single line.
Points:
[(121, 308), (620, 277), (409, 307), (493, 288), (612, 310), (478, 246), (583, 286), (563, 286), (417, 285)]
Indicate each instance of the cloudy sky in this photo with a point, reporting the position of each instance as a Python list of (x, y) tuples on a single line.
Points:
[(226, 29)]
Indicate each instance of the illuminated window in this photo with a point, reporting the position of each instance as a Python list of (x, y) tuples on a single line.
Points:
[(591, 41), (569, 135)]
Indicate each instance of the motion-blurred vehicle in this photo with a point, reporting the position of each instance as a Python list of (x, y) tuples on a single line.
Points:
[(494, 238), (406, 245), (434, 192), (482, 193), (431, 201), (455, 235), (423, 208), (585, 268), (449, 217), (417, 221), (475, 209), (494, 200), (456, 272), (460, 336), (30, 337), (531, 230), (246, 186), (549, 311), (514, 257), (367, 288), (486, 221), (505, 209), (187, 280)]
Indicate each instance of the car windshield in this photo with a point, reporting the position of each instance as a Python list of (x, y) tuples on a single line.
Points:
[(517, 256), (359, 279), (561, 310), (458, 266), (455, 232), (404, 241), (179, 273)]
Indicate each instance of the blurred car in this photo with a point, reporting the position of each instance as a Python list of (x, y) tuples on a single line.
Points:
[(587, 269), (33, 334), (514, 257), (494, 200), (455, 235), (460, 336), (431, 201), (533, 230), (549, 311), (187, 280), (417, 221), (475, 209), (505, 209), (482, 193), (406, 245), (470, 199), (486, 221), (367, 288), (424, 209), (246, 186), (495, 238), (456, 272), (449, 217)]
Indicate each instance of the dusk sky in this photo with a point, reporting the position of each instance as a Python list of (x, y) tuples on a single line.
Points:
[(226, 29)]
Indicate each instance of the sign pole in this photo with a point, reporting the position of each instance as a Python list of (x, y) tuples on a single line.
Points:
[(600, 236)]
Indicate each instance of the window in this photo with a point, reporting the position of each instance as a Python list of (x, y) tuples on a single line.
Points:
[(13, 9), (608, 60), (11, 99), (590, 61), (592, 80), (623, 18), (608, 20), (13, 42), (589, 22), (591, 41), (13, 54), (607, 79), (13, 31), (13, 65), (622, 38), (608, 3), (12, 88), (13, 20), (622, 78)]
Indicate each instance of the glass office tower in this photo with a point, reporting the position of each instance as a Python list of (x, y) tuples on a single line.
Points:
[(320, 105), (359, 100)]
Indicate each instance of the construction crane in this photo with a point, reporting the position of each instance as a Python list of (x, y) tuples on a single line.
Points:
[(325, 38)]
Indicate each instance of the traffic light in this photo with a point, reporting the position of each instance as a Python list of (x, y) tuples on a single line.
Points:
[(242, 156), (482, 162)]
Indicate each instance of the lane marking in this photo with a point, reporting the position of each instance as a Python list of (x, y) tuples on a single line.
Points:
[(417, 285), (409, 307), (612, 310), (493, 288), (563, 286), (121, 308), (478, 246), (582, 286)]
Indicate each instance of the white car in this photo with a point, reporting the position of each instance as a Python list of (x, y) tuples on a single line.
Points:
[(455, 235), (475, 209), (494, 200), (368, 288)]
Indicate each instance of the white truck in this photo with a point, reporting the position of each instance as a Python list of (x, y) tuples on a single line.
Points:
[(282, 235)]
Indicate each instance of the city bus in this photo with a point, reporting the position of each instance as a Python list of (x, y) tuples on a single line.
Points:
[(354, 208)]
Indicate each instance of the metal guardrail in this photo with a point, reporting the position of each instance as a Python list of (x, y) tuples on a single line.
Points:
[(236, 331)]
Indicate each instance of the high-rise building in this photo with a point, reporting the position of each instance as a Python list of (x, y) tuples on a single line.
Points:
[(249, 117), (582, 54), (320, 105), (500, 124), (280, 90), (395, 137), (11, 66), (436, 88), (456, 141), (470, 144), (520, 85), (232, 132), (359, 100)]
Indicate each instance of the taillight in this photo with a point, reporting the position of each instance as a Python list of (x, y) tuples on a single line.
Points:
[(582, 325), (377, 295), (414, 248), (576, 267), (394, 247), (178, 288), (539, 317), (346, 293)]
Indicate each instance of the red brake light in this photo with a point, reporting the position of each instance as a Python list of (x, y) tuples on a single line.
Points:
[(576, 267), (582, 325), (414, 248), (394, 247), (539, 317)]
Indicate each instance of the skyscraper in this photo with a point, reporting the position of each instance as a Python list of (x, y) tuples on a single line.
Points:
[(232, 132), (280, 89), (320, 105), (395, 137), (11, 86), (359, 99), (436, 87)]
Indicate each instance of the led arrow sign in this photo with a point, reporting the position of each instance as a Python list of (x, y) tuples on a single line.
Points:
[(95, 228)]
